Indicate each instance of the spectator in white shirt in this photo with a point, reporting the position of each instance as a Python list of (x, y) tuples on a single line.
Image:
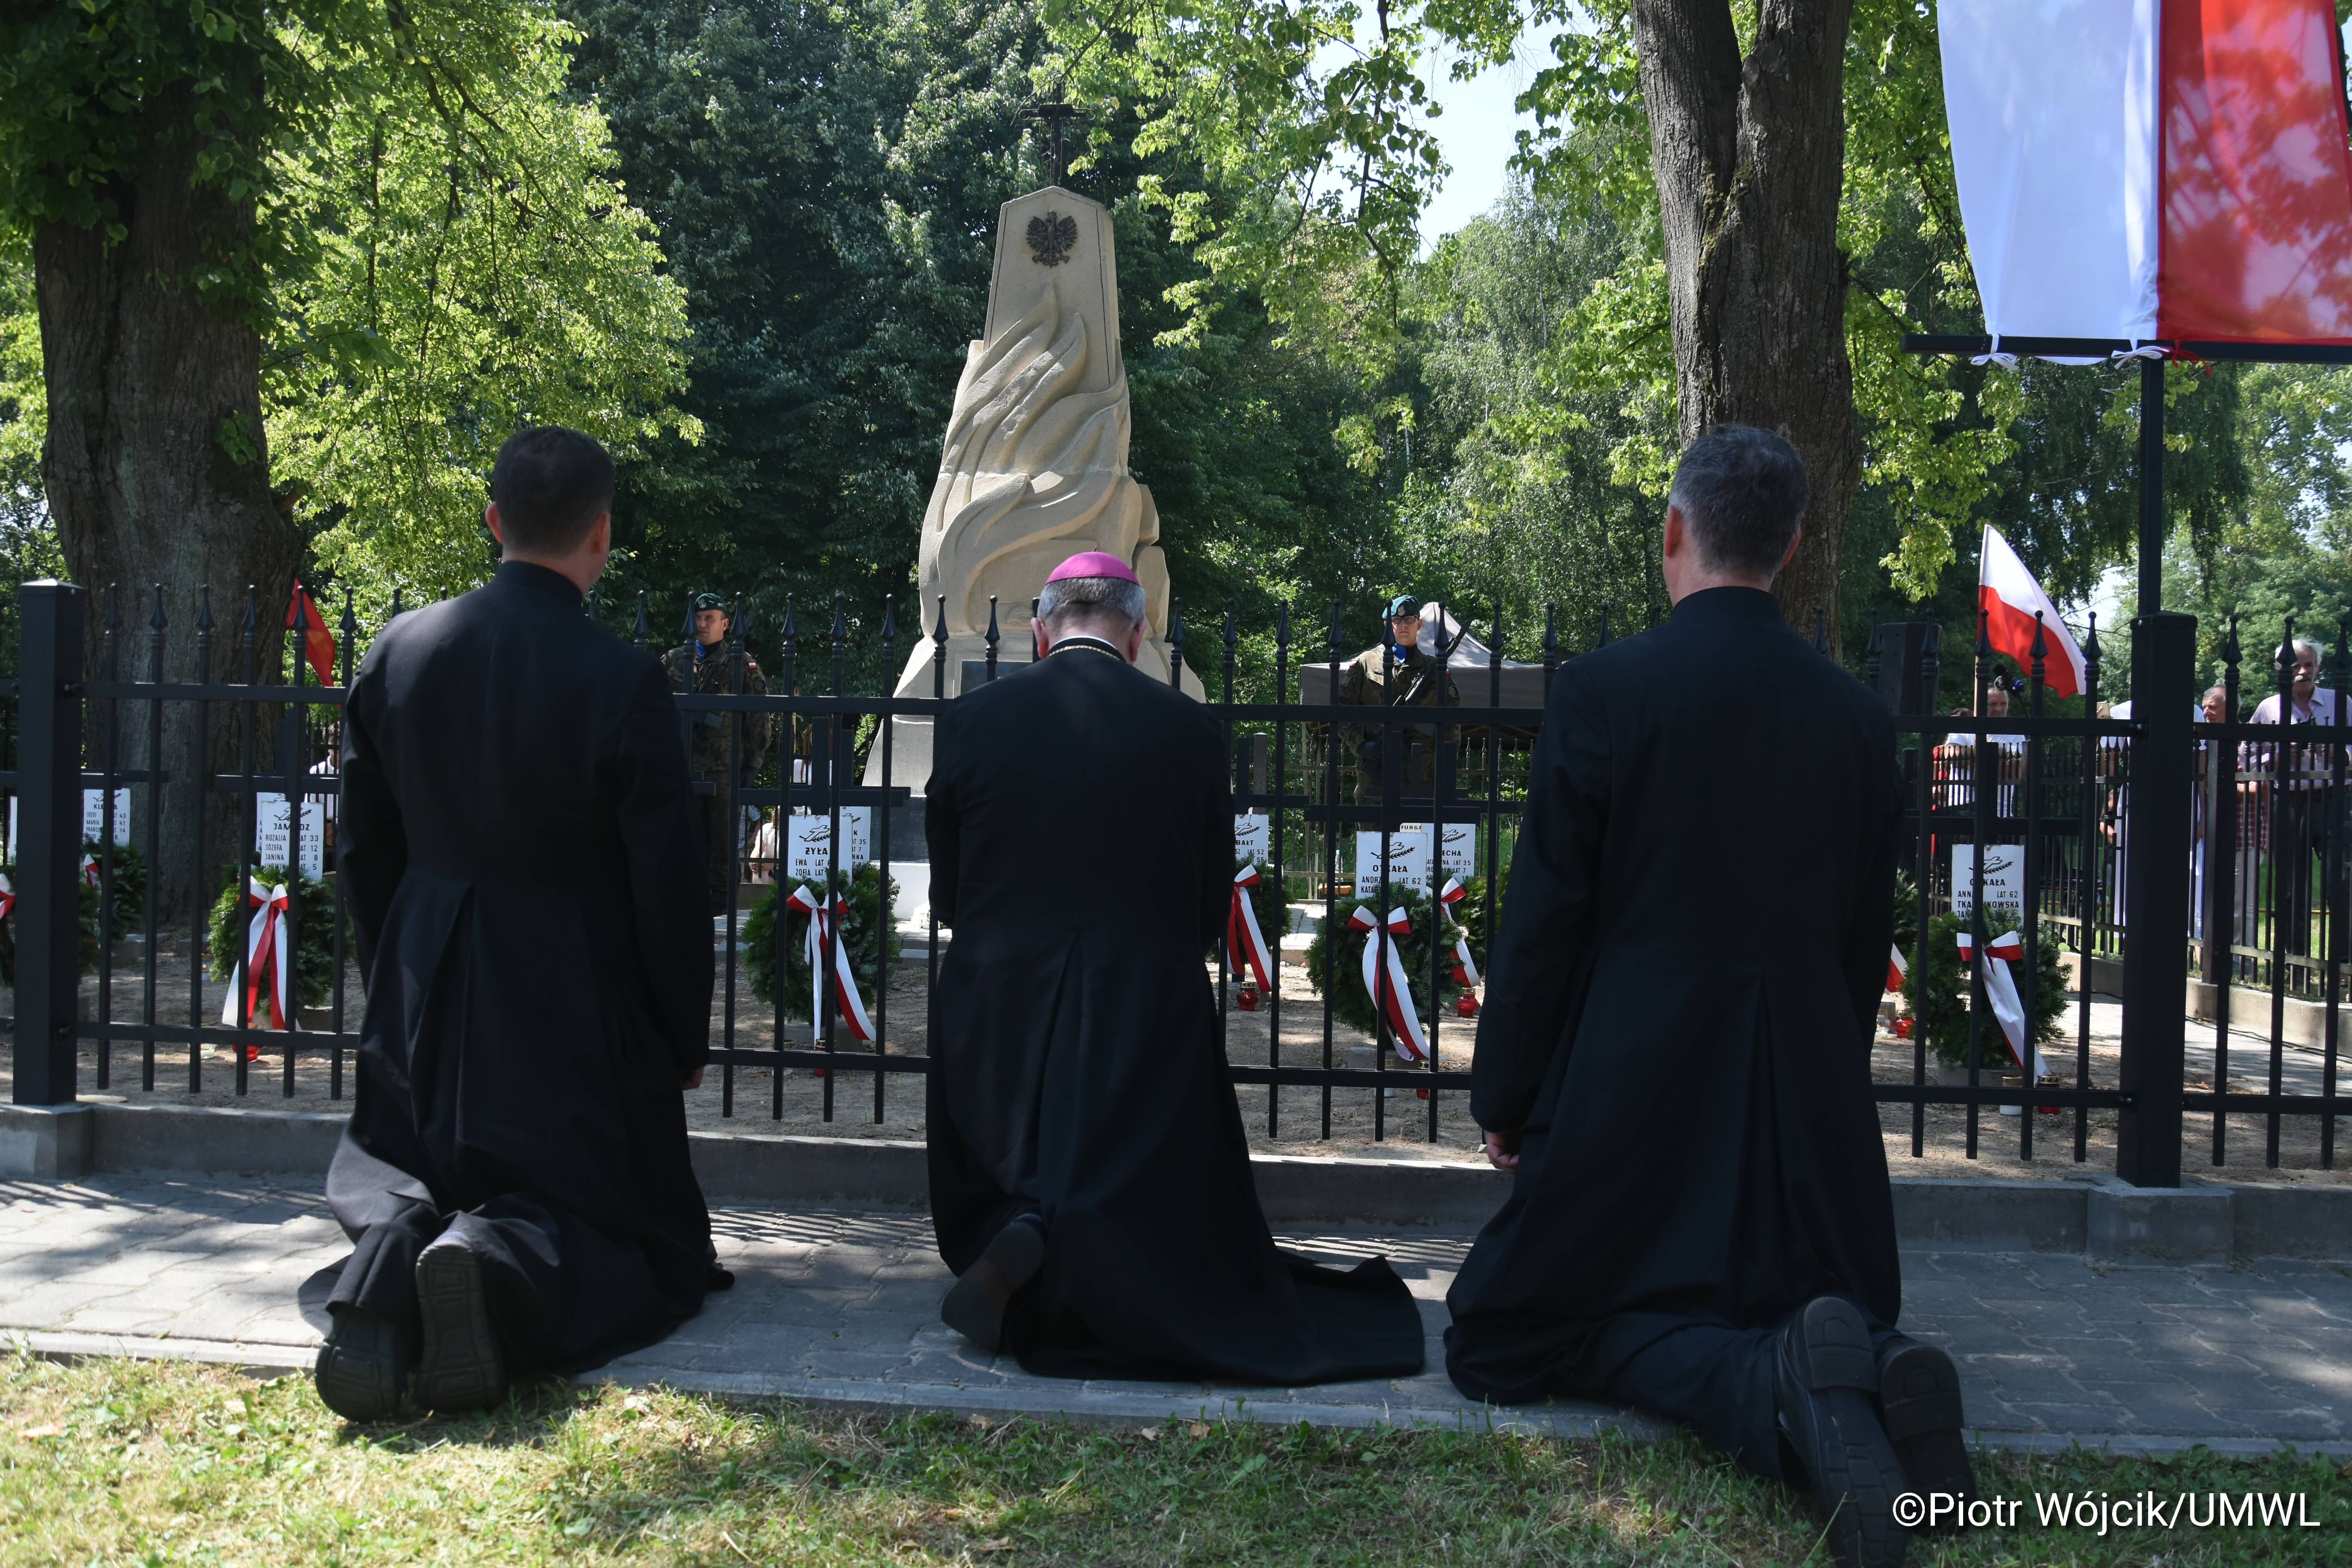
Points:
[(2287, 797)]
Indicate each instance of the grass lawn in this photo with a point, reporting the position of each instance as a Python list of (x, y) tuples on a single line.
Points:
[(111, 1462)]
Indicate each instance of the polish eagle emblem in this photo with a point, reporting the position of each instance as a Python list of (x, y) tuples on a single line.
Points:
[(1052, 239)]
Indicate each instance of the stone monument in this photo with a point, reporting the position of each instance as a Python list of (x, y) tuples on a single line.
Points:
[(1033, 469)]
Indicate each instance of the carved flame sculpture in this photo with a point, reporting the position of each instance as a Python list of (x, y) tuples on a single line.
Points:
[(1034, 468)]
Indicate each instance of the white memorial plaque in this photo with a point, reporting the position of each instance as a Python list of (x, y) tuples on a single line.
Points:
[(1457, 852), (1252, 836), (1408, 862), (2004, 878), (93, 816), (273, 825), (809, 847)]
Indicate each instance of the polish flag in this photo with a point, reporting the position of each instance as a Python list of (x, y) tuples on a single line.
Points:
[(2171, 170), (2008, 597), (318, 642)]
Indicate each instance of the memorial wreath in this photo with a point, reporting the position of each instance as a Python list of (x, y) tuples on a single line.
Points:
[(864, 903), (249, 921), (1937, 990), (129, 908), (1337, 968)]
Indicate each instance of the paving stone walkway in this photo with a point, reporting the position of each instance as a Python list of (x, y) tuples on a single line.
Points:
[(842, 1309)]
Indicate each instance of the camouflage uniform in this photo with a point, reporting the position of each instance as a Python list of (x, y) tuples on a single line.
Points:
[(708, 670), (1376, 678)]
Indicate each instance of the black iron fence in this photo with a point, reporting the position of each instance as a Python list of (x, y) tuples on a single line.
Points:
[(172, 810)]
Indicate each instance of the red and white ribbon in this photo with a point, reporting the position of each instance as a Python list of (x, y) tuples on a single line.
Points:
[(7, 897), (1897, 971), (2001, 990), (90, 869), (1394, 997), (845, 983), (1245, 943), (1466, 968), (265, 947)]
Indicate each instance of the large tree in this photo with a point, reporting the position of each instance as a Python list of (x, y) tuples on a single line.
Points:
[(221, 204), (1720, 128), (1748, 149), (135, 142)]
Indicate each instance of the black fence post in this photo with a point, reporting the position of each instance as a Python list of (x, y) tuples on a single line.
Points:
[(48, 841), (2155, 894)]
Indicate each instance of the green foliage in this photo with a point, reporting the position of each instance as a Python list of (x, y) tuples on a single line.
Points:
[(91, 903), (1937, 991), (1336, 967), (127, 869), (85, 89), (125, 913), (423, 229), (475, 266), (1308, 132), (866, 918), (314, 959)]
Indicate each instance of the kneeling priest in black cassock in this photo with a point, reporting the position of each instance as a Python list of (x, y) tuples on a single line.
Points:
[(1674, 1056), (522, 859), (1090, 1182)]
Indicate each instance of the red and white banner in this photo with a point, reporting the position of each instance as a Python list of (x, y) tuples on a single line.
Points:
[(1394, 998), (1245, 944), (1897, 970), (2001, 990), (845, 983), (2011, 600), (265, 949), (2152, 169)]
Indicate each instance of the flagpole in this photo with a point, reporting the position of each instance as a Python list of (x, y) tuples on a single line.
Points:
[(2151, 486)]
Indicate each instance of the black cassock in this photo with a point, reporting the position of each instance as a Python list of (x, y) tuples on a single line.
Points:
[(521, 858), (1082, 848), (1680, 1009)]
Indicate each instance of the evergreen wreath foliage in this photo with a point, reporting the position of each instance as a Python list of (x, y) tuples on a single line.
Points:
[(868, 905), (130, 908), (314, 918), (1937, 991), (130, 870), (1337, 968)]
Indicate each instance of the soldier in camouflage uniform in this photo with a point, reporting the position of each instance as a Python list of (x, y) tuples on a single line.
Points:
[(1396, 674), (706, 665)]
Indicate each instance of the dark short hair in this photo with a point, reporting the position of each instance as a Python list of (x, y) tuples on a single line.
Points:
[(1743, 492), (550, 484)]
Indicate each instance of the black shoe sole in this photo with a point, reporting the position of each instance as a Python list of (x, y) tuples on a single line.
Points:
[(460, 1367), (1919, 1401), (358, 1372), (976, 1303), (1852, 1466)]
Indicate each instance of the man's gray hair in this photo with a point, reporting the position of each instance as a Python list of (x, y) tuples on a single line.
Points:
[(1742, 491), (2306, 645), (1092, 599)]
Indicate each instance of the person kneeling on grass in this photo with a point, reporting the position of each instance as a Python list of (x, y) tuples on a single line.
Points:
[(1674, 1056), (525, 869)]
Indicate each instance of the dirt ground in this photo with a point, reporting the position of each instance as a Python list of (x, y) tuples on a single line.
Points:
[(1397, 1124)]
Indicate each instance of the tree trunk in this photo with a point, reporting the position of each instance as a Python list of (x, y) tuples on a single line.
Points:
[(1749, 157), (158, 478)]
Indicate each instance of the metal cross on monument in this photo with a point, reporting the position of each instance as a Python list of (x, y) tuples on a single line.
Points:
[(1053, 116)]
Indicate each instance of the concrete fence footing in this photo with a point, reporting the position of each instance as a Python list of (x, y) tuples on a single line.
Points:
[(2086, 1214)]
